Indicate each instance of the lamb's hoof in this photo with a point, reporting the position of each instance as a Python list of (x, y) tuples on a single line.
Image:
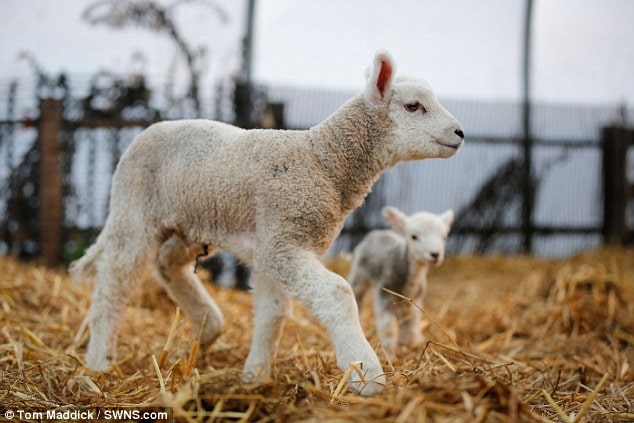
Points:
[(212, 329), (208, 336), (100, 363), (414, 341), (372, 382), (255, 374)]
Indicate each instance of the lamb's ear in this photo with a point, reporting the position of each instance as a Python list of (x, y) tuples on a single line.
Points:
[(380, 78), (447, 217), (395, 218)]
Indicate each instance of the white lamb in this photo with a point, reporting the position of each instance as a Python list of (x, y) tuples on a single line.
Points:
[(276, 199), (398, 260)]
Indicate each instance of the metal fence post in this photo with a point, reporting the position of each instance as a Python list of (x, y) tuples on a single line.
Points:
[(616, 188), (50, 207), (528, 201)]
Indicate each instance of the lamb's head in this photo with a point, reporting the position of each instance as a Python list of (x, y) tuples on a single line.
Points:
[(425, 233), (422, 128)]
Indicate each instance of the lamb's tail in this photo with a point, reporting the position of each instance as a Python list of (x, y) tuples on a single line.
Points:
[(83, 269)]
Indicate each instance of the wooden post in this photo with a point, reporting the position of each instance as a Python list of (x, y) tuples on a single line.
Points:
[(616, 188), (50, 207)]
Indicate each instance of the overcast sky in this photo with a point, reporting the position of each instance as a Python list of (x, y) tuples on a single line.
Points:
[(583, 50)]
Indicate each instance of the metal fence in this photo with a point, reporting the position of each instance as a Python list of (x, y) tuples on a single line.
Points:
[(482, 184)]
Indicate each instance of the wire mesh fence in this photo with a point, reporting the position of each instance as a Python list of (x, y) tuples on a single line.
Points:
[(482, 184)]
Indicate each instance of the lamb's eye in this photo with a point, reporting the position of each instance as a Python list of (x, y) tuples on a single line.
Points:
[(414, 237), (413, 106)]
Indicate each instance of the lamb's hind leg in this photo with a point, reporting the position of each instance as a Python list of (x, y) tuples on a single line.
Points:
[(174, 269), (116, 276)]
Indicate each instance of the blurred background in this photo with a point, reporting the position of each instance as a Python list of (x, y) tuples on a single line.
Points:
[(544, 89)]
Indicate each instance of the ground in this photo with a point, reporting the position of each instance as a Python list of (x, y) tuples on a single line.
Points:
[(511, 339)]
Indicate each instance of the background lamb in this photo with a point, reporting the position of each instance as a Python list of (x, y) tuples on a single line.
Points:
[(276, 199), (398, 260)]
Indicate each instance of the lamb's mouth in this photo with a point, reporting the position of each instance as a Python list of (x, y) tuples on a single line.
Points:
[(433, 261), (454, 146)]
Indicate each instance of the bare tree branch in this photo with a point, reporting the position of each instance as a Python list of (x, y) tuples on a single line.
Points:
[(152, 16)]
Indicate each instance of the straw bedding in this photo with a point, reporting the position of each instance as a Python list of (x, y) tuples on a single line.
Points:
[(511, 340)]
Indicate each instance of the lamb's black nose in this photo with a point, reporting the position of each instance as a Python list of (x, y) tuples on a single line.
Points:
[(434, 255), (459, 133)]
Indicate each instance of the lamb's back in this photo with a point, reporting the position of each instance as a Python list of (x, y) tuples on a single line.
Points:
[(197, 171)]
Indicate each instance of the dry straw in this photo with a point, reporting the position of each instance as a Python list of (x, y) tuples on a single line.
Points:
[(511, 340)]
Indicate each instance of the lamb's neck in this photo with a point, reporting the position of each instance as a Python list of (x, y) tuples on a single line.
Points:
[(413, 273), (350, 145), (417, 270)]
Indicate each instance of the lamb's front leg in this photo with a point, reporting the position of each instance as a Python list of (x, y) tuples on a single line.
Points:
[(271, 307), (410, 320), (387, 324), (410, 315), (331, 300)]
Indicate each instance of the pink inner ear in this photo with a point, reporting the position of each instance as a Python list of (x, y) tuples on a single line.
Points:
[(384, 76)]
